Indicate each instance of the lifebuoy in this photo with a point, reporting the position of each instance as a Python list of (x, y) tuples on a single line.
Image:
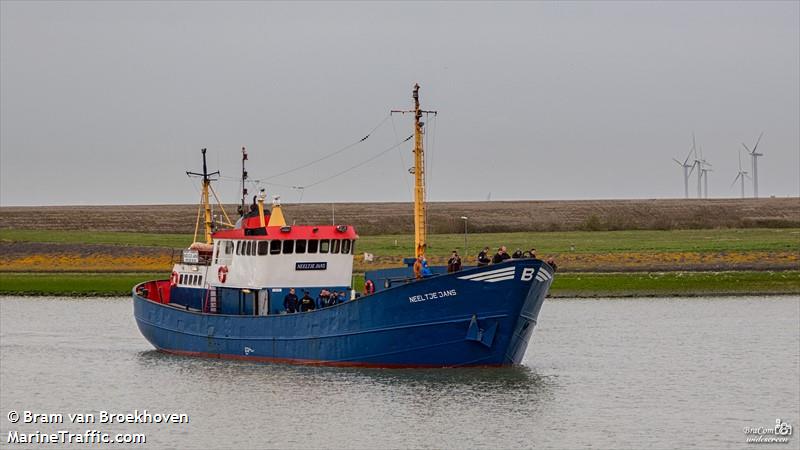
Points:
[(369, 287), (222, 273), (173, 279)]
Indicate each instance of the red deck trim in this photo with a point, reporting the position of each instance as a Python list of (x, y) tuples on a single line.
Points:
[(296, 232)]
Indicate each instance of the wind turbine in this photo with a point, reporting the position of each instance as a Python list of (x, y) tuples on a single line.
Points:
[(703, 166), (687, 170), (741, 175), (704, 172), (755, 156), (698, 163)]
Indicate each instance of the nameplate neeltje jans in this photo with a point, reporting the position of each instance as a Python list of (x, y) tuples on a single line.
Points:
[(311, 266)]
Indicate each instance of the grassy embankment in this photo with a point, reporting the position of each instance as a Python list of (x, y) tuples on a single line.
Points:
[(565, 284), (72, 283), (677, 262)]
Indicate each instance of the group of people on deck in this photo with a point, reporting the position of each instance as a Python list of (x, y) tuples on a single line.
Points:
[(422, 270), (326, 298), (502, 255)]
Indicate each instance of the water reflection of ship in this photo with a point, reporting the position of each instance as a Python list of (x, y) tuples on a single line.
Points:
[(514, 380), (224, 298)]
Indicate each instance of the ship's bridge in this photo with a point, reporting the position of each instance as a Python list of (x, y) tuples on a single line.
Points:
[(296, 256)]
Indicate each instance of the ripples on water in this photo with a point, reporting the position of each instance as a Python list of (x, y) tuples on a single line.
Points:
[(608, 373)]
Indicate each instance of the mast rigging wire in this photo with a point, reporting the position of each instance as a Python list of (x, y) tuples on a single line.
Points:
[(257, 182), (323, 180), (334, 153), (359, 164), (404, 171)]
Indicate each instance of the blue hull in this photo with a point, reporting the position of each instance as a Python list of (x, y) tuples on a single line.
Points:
[(481, 316)]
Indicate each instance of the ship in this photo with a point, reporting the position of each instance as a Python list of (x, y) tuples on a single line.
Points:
[(227, 294)]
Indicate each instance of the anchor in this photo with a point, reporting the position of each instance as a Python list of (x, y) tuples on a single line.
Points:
[(483, 335)]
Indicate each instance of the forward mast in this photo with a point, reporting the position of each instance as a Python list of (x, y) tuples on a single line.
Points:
[(205, 202), (420, 223)]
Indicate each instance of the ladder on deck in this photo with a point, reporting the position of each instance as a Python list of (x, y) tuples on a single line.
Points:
[(211, 300)]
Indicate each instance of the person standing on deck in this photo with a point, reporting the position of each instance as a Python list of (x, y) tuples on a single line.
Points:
[(483, 257), (290, 302), (307, 303), (322, 299), (418, 268), (426, 271), (454, 263), (501, 255)]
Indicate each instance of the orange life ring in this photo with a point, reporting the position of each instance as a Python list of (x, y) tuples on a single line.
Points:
[(222, 273), (173, 279)]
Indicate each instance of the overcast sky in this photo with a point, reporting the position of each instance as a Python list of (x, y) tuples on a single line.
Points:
[(110, 102)]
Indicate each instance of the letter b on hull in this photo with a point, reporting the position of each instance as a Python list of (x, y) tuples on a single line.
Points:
[(527, 273)]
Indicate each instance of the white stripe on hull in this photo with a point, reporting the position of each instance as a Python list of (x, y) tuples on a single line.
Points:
[(492, 276)]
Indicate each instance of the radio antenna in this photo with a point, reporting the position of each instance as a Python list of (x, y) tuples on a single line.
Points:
[(244, 182)]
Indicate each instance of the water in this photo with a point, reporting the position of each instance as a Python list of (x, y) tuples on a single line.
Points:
[(632, 373)]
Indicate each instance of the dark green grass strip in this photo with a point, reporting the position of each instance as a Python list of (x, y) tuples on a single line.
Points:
[(565, 284), (674, 284), (72, 284), (644, 284)]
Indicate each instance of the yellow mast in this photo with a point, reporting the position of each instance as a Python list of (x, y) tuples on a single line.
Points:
[(420, 226), (207, 208), (206, 203)]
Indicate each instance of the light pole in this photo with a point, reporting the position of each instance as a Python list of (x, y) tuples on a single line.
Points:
[(464, 218)]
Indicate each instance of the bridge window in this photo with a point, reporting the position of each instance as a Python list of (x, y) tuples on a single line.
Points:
[(346, 247), (324, 246), (288, 246), (181, 279), (300, 246), (335, 245), (263, 247), (313, 244), (252, 248), (275, 247)]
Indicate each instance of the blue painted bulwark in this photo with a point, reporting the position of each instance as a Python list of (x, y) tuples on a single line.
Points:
[(479, 316)]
